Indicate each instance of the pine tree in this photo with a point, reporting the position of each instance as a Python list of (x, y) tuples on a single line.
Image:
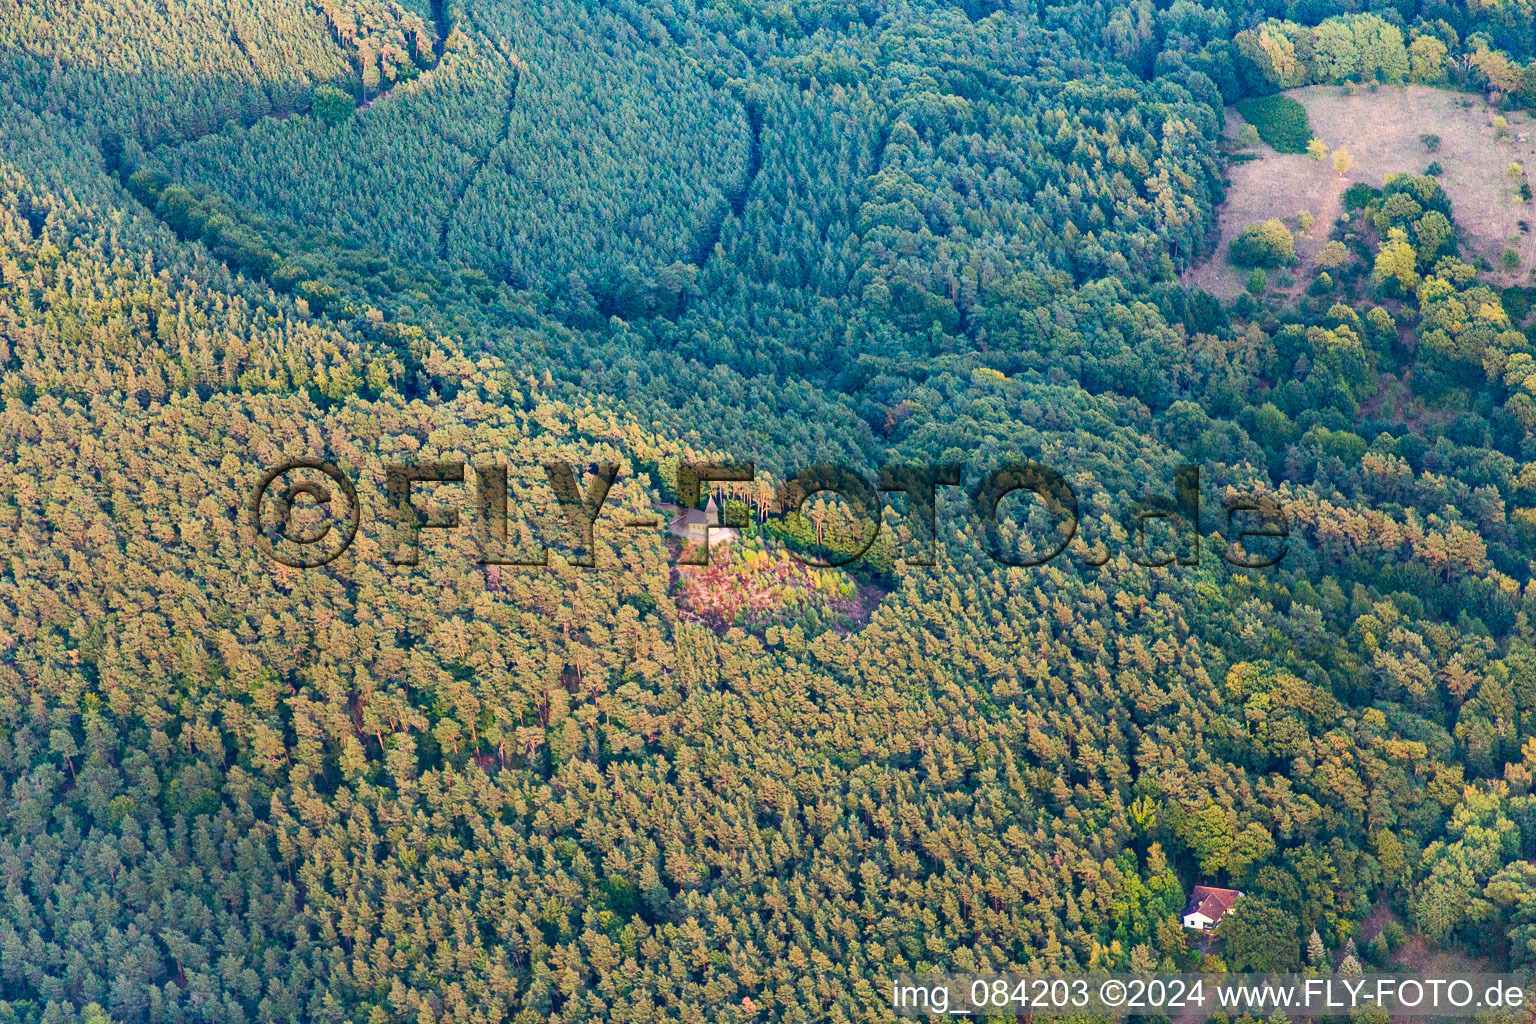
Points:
[(1317, 953)]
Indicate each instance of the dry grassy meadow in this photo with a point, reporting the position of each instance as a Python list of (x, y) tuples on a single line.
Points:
[(1381, 130)]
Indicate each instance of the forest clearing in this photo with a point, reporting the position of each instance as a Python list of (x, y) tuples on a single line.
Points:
[(1383, 129)]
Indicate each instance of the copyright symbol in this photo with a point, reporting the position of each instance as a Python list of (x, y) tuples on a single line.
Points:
[(303, 534), (1112, 993)]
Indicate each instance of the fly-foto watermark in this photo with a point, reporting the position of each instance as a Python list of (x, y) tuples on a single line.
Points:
[(331, 496), (1199, 997)]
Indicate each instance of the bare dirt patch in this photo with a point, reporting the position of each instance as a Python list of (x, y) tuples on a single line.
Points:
[(1381, 130)]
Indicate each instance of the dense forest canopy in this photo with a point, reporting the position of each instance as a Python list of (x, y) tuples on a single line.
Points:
[(656, 231)]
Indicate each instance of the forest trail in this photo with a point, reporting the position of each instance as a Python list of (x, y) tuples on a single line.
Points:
[(442, 27), (236, 37), (737, 197), (245, 51), (754, 156), (480, 165)]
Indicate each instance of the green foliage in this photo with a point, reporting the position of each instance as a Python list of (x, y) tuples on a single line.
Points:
[(155, 74), (1259, 936), (331, 105), (1343, 48), (664, 231), (1269, 244), (1517, 302), (1427, 59), (1358, 195), (1280, 120), (664, 155), (1361, 47)]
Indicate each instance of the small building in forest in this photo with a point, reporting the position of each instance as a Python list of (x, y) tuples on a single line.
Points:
[(693, 525), (1207, 906)]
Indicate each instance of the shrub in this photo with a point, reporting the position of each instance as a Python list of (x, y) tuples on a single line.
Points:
[(1333, 255), (1257, 281), (331, 104), (1431, 142), (1434, 170), (1358, 195), (1280, 120), (1517, 303), (1263, 245)]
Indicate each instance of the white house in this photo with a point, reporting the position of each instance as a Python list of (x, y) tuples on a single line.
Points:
[(1207, 906)]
